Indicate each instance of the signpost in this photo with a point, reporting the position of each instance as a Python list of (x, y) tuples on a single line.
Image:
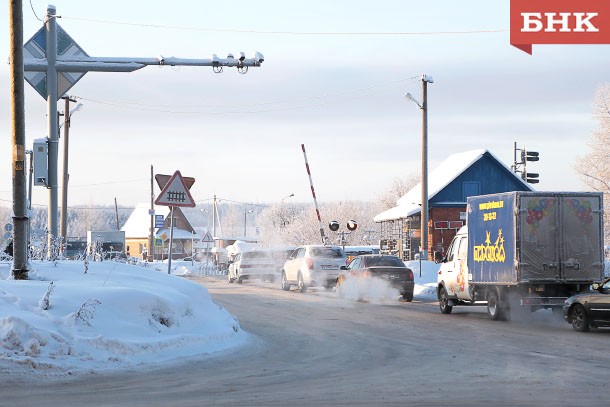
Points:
[(174, 193), (53, 62), (159, 221)]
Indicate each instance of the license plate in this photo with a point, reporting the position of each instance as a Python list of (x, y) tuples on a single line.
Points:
[(329, 267)]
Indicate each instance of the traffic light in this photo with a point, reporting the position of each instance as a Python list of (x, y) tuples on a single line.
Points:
[(531, 177), (529, 156), (352, 225)]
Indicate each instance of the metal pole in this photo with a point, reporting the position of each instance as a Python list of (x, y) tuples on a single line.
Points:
[(63, 222), (116, 211), (313, 192), (20, 215), (424, 171), (29, 199), (151, 254), (171, 240), (51, 51)]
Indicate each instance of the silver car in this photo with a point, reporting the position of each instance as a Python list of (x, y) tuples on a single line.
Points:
[(313, 265)]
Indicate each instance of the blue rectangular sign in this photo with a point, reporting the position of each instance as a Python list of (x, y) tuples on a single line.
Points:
[(491, 238), (159, 221)]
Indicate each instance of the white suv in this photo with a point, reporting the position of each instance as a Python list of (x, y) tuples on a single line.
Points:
[(253, 264), (312, 265)]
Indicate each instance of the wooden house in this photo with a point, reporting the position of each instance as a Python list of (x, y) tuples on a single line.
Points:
[(461, 175)]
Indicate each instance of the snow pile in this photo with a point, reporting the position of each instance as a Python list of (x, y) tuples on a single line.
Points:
[(64, 320), (425, 285)]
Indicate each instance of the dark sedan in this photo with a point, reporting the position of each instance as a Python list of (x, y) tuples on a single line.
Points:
[(590, 308), (385, 267)]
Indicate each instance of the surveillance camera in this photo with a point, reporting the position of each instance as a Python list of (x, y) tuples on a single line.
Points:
[(242, 56), (259, 57)]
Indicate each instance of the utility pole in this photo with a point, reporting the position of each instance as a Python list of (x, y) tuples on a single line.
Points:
[(116, 211), (63, 221), (150, 256), (70, 64), (425, 79), (20, 216), (424, 169)]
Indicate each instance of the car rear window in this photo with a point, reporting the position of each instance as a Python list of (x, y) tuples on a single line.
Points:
[(384, 261), (256, 255), (328, 252)]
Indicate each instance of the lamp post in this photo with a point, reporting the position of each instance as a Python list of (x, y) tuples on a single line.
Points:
[(425, 79)]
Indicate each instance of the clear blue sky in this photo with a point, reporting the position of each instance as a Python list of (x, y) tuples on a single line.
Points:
[(339, 93)]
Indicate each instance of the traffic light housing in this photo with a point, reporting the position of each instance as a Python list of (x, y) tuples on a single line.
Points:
[(333, 225), (529, 156), (531, 177)]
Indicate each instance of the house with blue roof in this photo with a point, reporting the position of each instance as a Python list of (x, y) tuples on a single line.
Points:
[(470, 173)]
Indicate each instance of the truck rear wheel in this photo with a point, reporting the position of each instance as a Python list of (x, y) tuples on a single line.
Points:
[(443, 302), (494, 307)]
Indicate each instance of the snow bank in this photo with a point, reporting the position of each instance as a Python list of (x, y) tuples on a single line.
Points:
[(425, 284), (114, 316)]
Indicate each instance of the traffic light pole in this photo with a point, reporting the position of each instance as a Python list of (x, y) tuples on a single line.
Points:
[(521, 166)]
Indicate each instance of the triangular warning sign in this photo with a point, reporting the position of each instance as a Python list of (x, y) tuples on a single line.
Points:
[(207, 238), (175, 193)]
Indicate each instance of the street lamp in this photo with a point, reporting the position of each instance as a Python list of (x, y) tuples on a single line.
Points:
[(425, 79)]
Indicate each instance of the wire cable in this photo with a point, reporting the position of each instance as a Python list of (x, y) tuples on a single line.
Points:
[(310, 33)]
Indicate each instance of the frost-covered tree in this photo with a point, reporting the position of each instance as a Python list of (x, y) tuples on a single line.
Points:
[(594, 167), (396, 190), (296, 224)]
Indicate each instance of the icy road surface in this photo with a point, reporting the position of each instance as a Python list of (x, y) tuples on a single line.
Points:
[(314, 349)]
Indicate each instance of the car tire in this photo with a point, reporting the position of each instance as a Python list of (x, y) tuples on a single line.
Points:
[(443, 302), (285, 284), (408, 297), (580, 322), (301, 284)]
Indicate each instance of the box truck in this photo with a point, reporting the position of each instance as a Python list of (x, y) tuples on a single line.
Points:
[(523, 249)]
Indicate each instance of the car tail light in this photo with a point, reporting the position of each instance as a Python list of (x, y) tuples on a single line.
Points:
[(366, 274), (310, 264), (409, 274)]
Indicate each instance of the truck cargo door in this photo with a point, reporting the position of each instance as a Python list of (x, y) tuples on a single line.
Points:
[(538, 242), (581, 257)]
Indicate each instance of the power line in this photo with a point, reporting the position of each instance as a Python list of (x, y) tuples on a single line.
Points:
[(325, 99), (309, 33)]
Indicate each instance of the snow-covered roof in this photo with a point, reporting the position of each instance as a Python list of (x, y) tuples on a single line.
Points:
[(138, 223), (410, 203), (179, 234)]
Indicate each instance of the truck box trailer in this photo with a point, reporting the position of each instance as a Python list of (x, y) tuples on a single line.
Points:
[(523, 248)]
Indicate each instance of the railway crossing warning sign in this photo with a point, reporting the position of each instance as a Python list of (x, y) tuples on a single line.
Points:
[(175, 193)]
